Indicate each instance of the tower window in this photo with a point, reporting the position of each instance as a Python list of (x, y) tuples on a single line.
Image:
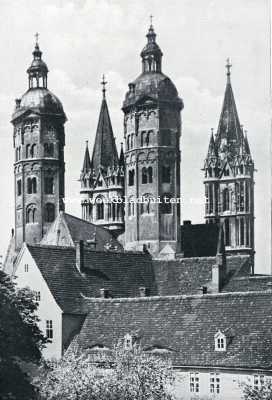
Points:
[(27, 150), (131, 175), (49, 329), (31, 214), (144, 175), (49, 185), (150, 174), (146, 204), (128, 142), (242, 232), (147, 138), (131, 207), (33, 151), (19, 187), (142, 138), (99, 208), (166, 174), (166, 205), (132, 141), (226, 199), (49, 149), (31, 185), (49, 212), (227, 232)]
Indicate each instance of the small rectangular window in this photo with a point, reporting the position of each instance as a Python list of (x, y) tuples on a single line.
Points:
[(26, 268), (214, 383), (19, 187), (49, 185), (37, 296), (258, 381), (194, 382), (49, 329)]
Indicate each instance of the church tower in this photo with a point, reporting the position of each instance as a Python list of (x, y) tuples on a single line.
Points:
[(38, 141), (229, 179), (102, 178), (152, 130)]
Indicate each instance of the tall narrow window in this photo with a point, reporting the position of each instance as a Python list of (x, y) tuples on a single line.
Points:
[(226, 199), (166, 174), (166, 204), (214, 383), (227, 232), (19, 187), (33, 151), (27, 150), (128, 142), (147, 138), (48, 149), (100, 209), (258, 381), (34, 185), (211, 199), (242, 232), (150, 174), (144, 175), (194, 382), (49, 212), (142, 138), (49, 185), (131, 175), (49, 329)]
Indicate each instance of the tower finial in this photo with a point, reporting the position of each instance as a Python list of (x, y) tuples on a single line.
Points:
[(87, 143), (151, 19), (37, 39), (228, 67), (103, 83)]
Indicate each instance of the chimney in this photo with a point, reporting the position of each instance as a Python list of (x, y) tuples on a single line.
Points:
[(143, 291), (80, 255), (104, 293)]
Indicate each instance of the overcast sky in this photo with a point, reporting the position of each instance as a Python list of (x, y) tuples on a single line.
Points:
[(83, 39)]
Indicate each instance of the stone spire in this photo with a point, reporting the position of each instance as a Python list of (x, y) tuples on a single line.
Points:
[(87, 165), (122, 157), (104, 153), (212, 148), (229, 133)]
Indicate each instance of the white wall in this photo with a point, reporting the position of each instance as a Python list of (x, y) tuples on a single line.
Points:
[(48, 308), (231, 385)]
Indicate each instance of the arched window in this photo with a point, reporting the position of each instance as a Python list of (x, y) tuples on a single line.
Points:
[(166, 205), (100, 209), (220, 341), (131, 175), (144, 175), (33, 151), (19, 153), (128, 142), (150, 174), (166, 174), (49, 185), (31, 185), (49, 212), (142, 138), (146, 204), (147, 139), (48, 149), (132, 141), (31, 214), (131, 207), (27, 150), (227, 232), (19, 187), (226, 199), (242, 232)]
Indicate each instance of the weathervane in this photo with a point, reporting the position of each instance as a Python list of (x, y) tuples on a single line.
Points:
[(103, 83), (228, 67), (151, 19)]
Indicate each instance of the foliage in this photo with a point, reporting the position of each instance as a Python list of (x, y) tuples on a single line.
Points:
[(106, 375), (263, 393), (21, 340)]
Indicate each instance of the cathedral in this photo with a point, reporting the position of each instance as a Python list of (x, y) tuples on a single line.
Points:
[(128, 267)]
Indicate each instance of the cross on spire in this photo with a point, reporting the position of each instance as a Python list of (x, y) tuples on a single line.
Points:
[(228, 67), (151, 19), (103, 83), (37, 38)]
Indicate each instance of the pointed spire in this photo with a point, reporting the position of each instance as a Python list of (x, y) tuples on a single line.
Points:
[(246, 144), (229, 131), (104, 152), (87, 165), (212, 147), (122, 157)]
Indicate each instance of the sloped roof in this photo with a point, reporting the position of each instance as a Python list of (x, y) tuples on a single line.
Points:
[(121, 273), (66, 230), (104, 152), (186, 326)]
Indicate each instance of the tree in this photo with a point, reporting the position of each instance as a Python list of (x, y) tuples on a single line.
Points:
[(21, 340), (263, 393), (107, 375)]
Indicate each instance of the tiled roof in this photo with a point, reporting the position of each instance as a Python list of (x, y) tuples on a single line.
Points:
[(249, 283), (186, 325), (121, 273), (66, 230)]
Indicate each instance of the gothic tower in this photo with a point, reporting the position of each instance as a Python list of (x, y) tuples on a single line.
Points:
[(152, 129), (38, 141), (229, 179), (102, 178)]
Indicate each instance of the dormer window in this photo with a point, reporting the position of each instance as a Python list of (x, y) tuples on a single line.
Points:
[(220, 341), (128, 342)]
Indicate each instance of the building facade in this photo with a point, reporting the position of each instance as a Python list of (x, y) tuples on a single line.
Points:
[(229, 179), (38, 141)]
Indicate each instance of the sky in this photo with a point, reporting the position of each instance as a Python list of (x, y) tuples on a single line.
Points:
[(82, 39)]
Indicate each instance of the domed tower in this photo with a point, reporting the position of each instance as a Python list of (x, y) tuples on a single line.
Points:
[(102, 178), (229, 179), (38, 141), (152, 130)]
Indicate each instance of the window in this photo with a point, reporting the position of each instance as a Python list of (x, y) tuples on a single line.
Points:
[(131, 207), (226, 199), (150, 174), (242, 232), (33, 151), (227, 232), (27, 150), (100, 209), (145, 204), (128, 142), (31, 214), (19, 187), (128, 342), (37, 296), (214, 383), (226, 172), (144, 175), (132, 141), (48, 149), (220, 341), (49, 185), (142, 138), (166, 205), (166, 174), (147, 139), (258, 381), (131, 175), (194, 382), (49, 329), (31, 185), (49, 212), (26, 268)]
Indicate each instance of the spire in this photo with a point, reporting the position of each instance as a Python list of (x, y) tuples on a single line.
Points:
[(246, 144), (212, 148), (151, 53), (229, 132), (37, 72), (122, 157), (104, 153), (87, 161)]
